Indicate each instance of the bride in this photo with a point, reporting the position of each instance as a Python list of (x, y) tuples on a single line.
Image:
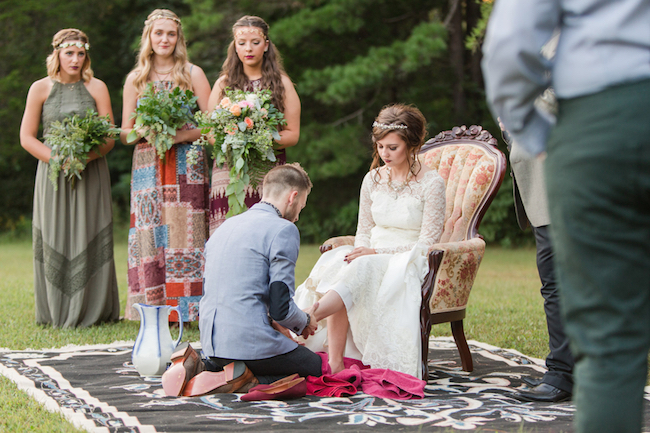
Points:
[(370, 293)]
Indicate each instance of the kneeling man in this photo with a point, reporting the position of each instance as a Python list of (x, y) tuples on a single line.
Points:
[(247, 306)]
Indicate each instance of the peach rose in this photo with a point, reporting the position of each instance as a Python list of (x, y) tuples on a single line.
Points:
[(225, 102), (235, 110), (230, 129), (249, 123)]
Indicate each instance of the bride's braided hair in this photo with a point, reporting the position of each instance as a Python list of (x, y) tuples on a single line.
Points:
[(409, 124)]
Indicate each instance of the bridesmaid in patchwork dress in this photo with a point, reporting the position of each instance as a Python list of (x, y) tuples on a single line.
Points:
[(169, 198), (253, 63), (74, 271)]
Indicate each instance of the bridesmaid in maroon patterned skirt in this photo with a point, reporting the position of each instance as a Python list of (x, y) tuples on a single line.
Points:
[(253, 63)]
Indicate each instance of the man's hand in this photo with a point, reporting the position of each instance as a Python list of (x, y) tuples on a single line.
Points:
[(312, 326), (284, 331)]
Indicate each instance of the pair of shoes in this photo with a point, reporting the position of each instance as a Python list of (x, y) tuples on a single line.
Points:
[(531, 381), (543, 393), (232, 378), (186, 364), (284, 389)]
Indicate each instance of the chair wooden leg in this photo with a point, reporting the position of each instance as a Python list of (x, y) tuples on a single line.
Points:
[(425, 352), (461, 343)]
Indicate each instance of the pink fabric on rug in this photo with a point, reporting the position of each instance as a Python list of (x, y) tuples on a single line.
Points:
[(377, 382), (347, 363), (386, 383), (343, 383)]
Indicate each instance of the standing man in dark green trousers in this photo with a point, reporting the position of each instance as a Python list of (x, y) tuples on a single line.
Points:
[(598, 180)]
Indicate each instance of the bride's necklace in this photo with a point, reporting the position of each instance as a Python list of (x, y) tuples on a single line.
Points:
[(400, 186)]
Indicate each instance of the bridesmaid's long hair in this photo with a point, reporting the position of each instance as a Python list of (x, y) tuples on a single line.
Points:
[(180, 73), (413, 135), (272, 70), (54, 64)]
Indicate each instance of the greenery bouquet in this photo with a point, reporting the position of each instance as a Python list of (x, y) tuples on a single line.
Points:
[(160, 112), (72, 140), (244, 125)]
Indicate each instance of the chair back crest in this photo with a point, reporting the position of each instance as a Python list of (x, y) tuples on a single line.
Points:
[(473, 168)]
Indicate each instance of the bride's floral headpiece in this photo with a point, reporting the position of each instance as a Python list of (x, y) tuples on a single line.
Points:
[(161, 17), (388, 125), (74, 44)]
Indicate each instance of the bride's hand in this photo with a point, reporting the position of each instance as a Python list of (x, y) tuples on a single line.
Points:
[(358, 252)]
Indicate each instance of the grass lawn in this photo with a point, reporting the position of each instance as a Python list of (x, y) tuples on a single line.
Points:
[(505, 310)]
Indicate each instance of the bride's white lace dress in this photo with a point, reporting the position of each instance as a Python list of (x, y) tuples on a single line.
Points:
[(382, 291)]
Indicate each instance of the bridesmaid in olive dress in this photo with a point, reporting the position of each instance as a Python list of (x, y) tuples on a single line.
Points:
[(74, 271)]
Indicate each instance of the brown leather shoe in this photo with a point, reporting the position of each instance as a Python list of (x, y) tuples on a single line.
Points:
[(234, 376), (252, 384), (186, 363)]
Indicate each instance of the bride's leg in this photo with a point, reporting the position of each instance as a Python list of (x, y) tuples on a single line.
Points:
[(327, 305), (332, 307), (337, 332)]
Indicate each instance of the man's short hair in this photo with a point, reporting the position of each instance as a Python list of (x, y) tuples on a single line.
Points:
[(286, 177)]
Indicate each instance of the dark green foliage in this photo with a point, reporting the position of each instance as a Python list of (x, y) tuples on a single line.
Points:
[(160, 113), (347, 58), (244, 126), (73, 139), (114, 28)]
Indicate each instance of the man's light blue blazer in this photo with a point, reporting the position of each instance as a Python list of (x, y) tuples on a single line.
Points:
[(243, 257)]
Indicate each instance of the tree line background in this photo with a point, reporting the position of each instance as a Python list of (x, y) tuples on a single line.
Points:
[(347, 58)]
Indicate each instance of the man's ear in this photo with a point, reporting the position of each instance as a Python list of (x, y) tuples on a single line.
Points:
[(292, 197)]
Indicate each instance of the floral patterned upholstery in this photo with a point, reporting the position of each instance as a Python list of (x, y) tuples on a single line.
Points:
[(456, 274), (469, 172), (473, 168)]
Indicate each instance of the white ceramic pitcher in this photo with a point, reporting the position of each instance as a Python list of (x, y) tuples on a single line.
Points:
[(154, 346)]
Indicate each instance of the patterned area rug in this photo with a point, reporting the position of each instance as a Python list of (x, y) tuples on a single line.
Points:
[(98, 389)]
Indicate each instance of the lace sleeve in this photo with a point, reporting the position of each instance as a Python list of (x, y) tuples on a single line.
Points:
[(433, 216), (366, 223)]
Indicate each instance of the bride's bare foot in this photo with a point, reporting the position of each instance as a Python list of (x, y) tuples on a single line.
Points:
[(336, 366)]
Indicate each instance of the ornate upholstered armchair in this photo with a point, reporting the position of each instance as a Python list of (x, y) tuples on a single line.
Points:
[(473, 169)]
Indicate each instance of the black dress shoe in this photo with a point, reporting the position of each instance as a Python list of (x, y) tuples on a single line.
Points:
[(531, 381), (543, 393)]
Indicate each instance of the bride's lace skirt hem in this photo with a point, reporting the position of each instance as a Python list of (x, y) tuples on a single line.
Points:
[(382, 297)]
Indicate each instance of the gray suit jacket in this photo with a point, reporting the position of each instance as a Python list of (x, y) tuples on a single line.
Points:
[(243, 257), (529, 188)]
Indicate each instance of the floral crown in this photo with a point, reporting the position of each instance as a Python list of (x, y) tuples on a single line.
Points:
[(250, 30), (73, 44), (161, 17), (388, 125)]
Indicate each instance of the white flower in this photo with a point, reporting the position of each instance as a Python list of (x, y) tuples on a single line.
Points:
[(251, 97)]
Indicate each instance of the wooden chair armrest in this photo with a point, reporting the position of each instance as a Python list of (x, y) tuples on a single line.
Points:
[(473, 244), (336, 242)]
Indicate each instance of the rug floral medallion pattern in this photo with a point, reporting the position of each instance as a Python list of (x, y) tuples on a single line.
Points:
[(98, 389)]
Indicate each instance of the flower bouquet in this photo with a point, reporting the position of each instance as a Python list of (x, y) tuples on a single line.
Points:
[(72, 140), (244, 125), (160, 113)]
